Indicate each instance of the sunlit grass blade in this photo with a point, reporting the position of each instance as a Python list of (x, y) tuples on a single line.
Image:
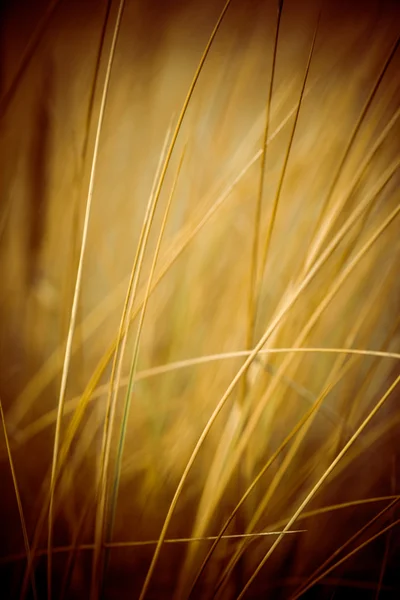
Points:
[(47, 419), (314, 247), (320, 482), (246, 434), (287, 154), (74, 308), (102, 532)]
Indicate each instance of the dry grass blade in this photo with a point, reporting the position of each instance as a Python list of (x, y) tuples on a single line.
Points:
[(289, 458), (345, 273), (91, 386), (303, 421), (199, 328), (90, 324), (257, 218), (263, 340), (350, 554), (18, 499), (177, 251), (338, 372), (138, 544), (317, 486), (287, 154), (37, 386), (334, 507), (388, 541), (72, 553), (307, 420), (74, 308), (312, 254), (310, 580), (183, 112), (350, 267), (115, 377), (323, 230), (331, 216), (255, 278), (335, 286), (274, 530), (114, 498), (48, 418)]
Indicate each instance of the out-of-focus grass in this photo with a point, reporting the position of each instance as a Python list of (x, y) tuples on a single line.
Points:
[(249, 384)]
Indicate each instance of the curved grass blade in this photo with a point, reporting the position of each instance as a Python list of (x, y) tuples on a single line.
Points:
[(74, 308), (274, 324), (18, 499), (322, 479)]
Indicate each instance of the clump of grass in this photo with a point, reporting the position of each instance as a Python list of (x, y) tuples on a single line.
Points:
[(218, 418)]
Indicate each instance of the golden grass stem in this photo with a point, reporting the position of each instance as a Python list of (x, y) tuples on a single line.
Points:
[(336, 376), (297, 428), (284, 379), (336, 284), (292, 453), (323, 229), (115, 377), (113, 504), (310, 580), (322, 479), (274, 530), (48, 370), (311, 256), (18, 499), (257, 219), (46, 420), (313, 271), (271, 221), (352, 553), (246, 435), (90, 324), (75, 302)]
